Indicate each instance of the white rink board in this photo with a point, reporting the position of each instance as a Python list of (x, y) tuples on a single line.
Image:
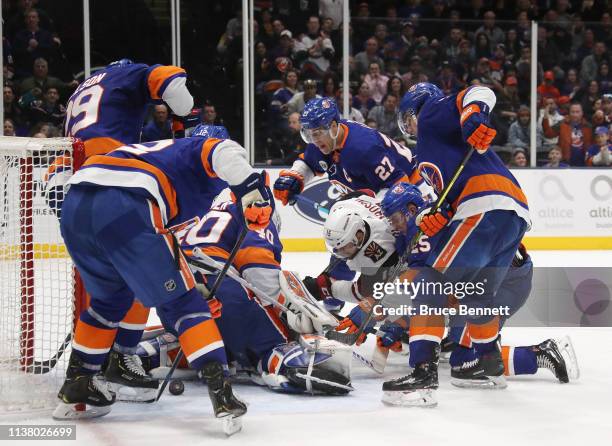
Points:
[(563, 203)]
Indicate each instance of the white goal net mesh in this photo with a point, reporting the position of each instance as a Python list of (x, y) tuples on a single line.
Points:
[(37, 283)]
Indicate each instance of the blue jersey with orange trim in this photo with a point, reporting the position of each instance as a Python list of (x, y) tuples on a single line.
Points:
[(178, 175), (366, 159), (216, 234), (485, 183), (108, 109)]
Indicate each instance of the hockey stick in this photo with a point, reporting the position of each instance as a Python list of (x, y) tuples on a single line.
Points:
[(211, 294), (42, 367), (351, 338), (318, 206)]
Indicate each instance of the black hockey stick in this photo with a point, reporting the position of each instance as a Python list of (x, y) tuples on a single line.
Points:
[(351, 338), (211, 294), (42, 367)]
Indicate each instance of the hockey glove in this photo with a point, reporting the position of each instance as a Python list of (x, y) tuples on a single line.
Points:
[(475, 126), (287, 185), (389, 336), (431, 224), (319, 287), (352, 322), (254, 200)]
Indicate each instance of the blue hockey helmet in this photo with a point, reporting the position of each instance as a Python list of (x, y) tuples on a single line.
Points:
[(120, 63), (413, 100), (210, 131), (318, 114), (399, 197)]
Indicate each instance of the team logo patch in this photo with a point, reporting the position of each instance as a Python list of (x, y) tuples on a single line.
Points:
[(432, 175), (323, 165), (325, 104), (375, 252), (398, 189), (170, 285)]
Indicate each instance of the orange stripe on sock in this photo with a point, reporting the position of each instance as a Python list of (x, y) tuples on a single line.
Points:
[(94, 337), (429, 326), (137, 314), (484, 332), (199, 336), (505, 352)]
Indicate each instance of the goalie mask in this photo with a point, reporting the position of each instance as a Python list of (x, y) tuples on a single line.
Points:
[(344, 232)]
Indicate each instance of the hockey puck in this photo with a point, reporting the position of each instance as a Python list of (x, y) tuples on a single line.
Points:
[(176, 387)]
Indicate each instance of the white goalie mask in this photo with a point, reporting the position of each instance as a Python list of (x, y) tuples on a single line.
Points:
[(341, 228)]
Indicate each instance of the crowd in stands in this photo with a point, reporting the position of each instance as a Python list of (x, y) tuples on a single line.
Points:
[(393, 45)]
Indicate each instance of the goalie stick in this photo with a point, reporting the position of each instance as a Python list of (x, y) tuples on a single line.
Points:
[(211, 294), (351, 338)]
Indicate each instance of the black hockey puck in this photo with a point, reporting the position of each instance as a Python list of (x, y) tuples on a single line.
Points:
[(176, 387)]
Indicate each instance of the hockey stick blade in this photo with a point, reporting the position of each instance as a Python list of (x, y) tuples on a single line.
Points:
[(42, 367)]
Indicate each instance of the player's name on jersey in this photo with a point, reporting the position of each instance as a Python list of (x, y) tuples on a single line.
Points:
[(425, 310)]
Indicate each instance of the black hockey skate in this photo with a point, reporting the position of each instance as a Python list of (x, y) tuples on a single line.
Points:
[(128, 379), (225, 404), (83, 395), (446, 348), (486, 371), (416, 389), (549, 357)]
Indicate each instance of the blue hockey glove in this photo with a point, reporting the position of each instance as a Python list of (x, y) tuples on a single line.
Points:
[(287, 185)]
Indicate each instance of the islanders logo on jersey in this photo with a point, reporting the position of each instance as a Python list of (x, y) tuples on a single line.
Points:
[(432, 175)]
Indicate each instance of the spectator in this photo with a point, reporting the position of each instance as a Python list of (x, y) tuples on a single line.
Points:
[(376, 81), (482, 75), (290, 146), (368, 56), (371, 123), (280, 98), (604, 78), (381, 34), (554, 158), (285, 47), (465, 60), (518, 134), (12, 110), (363, 101), (9, 127), (317, 47), (403, 46), (492, 31), (550, 113), (482, 47), (395, 86), (39, 135), (547, 88), (263, 66), (333, 10), (46, 128), (41, 80), (600, 153), (587, 97), (159, 127), (48, 109), (209, 115), (451, 43), (385, 116), (548, 52), (297, 102), (447, 79), (571, 85), (330, 85), (505, 111), (590, 64), (519, 159), (513, 45), (574, 133), (32, 42), (354, 115)]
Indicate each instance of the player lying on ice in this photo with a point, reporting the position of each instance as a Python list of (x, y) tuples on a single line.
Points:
[(115, 220), (273, 346)]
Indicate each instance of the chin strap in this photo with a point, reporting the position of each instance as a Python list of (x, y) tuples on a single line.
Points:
[(335, 137)]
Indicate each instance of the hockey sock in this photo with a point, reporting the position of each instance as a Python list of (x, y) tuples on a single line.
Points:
[(131, 328), (484, 336), (93, 340), (461, 355), (425, 335), (519, 361)]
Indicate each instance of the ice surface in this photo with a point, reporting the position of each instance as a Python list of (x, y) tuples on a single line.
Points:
[(532, 410)]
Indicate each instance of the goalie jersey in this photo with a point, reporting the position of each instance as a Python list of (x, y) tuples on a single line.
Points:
[(182, 176), (108, 109)]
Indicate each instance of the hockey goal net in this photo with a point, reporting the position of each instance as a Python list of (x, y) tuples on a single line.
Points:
[(40, 292)]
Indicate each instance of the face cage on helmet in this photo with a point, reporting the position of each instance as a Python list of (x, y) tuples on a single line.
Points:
[(311, 135), (401, 122)]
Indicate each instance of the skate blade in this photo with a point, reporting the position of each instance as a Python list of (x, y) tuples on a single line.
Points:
[(488, 382), (231, 424), (129, 394), (79, 411), (420, 398), (571, 361)]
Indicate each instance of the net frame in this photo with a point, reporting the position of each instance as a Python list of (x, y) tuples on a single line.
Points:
[(42, 294)]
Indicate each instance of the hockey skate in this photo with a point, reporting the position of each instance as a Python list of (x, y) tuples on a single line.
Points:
[(82, 395), (569, 355), (128, 379), (225, 404), (549, 356), (485, 372), (446, 348), (417, 389)]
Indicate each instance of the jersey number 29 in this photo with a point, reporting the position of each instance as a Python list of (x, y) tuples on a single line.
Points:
[(87, 103)]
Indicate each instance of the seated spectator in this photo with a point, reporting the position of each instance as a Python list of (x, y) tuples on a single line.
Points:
[(363, 100), (401, 47), (330, 85), (493, 32), (290, 145), (452, 42), (12, 110), (32, 42), (46, 128), (278, 103), (554, 158), (571, 85), (48, 109), (354, 114), (590, 64), (385, 116), (263, 65), (587, 97), (41, 80), (518, 134), (550, 113), (209, 115), (297, 102), (513, 45), (368, 56), (395, 86), (575, 135), (285, 47), (316, 48), (482, 46), (447, 79), (547, 88), (371, 123), (9, 127), (377, 82), (505, 111), (600, 153), (39, 135), (599, 118), (604, 78), (159, 127), (519, 159)]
